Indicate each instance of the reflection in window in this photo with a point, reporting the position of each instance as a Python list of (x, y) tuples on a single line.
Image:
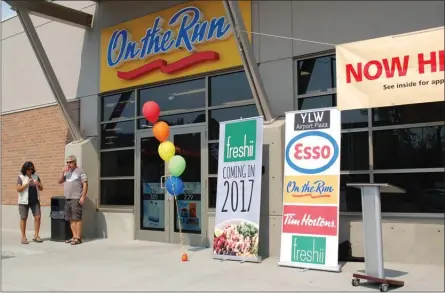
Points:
[(326, 101), (213, 158), (117, 135), (227, 114), (213, 186), (316, 75), (179, 119), (228, 88), (152, 166), (354, 118), (180, 96), (117, 163), (425, 192), (118, 106), (350, 197), (407, 114), (117, 192), (422, 147), (354, 151)]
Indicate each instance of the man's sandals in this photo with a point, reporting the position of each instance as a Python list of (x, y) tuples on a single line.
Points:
[(74, 241), (37, 239)]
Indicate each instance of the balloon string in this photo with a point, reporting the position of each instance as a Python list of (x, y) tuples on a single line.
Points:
[(181, 237)]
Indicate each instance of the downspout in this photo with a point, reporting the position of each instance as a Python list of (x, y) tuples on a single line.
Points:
[(250, 65)]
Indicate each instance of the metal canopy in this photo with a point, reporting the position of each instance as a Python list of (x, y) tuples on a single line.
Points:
[(55, 12)]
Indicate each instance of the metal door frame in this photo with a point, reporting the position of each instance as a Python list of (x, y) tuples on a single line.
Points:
[(193, 239), (169, 235), (139, 234)]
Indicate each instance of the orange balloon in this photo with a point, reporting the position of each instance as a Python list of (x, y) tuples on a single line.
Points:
[(161, 131)]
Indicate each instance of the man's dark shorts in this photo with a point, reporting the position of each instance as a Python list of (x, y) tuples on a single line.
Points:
[(24, 209), (73, 210)]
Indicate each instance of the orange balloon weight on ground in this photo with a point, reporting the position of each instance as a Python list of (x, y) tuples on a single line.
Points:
[(161, 131), (184, 257)]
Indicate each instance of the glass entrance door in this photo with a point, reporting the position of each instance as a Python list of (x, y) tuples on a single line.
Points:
[(158, 215), (151, 206)]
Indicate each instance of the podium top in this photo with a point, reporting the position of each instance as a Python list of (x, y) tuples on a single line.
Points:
[(383, 187)]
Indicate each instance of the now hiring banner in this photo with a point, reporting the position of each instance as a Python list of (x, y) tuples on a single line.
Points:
[(309, 232), (238, 197)]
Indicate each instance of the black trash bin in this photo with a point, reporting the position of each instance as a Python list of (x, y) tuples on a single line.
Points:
[(60, 229)]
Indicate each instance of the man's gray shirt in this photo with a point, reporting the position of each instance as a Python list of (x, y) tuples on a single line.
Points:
[(73, 185)]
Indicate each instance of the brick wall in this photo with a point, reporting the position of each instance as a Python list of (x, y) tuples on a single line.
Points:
[(40, 136)]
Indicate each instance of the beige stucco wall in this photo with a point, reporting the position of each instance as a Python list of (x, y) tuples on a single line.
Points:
[(24, 85)]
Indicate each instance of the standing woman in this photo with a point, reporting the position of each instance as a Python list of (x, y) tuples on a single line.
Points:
[(28, 188)]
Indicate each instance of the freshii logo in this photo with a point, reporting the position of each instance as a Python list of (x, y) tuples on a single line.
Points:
[(307, 249), (191, 31), (240, 141)]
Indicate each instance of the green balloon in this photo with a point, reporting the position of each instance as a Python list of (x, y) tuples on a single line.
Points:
[(176, 165)]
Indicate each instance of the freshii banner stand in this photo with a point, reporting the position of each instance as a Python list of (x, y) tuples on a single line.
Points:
[(372, 230), (238, 196)]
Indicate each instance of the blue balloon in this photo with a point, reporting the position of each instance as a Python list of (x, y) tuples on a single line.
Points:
[(174, 185)]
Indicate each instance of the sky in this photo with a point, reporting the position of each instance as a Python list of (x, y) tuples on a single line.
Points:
[(6, 11)]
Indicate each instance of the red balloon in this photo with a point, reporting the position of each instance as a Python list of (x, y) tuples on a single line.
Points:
[(151, 111)]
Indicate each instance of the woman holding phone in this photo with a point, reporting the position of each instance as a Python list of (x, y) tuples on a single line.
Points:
[(28, 188)]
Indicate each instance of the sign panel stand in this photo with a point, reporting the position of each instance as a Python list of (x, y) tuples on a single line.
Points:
[(372, 229), (238, 199), (311, 190)]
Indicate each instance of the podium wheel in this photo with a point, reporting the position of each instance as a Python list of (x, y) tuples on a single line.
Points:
[(384, 288)]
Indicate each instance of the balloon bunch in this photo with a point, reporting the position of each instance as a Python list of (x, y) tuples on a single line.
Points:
[(167, 150)]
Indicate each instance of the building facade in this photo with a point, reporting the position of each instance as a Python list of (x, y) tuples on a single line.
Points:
[(296, 75)]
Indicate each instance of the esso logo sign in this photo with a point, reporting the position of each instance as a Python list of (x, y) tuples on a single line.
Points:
[(312, 152), (304, 152)]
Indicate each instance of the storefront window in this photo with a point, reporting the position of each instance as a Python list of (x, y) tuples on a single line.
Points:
[(227, 114), (425, 192), (409, 148), (117, 135), (117, 192), (117, 163), (350, 197), (179, 96), (316, 75), (354, 151), (409, 114), (178, 119), (213, 186), (119, 106), (316, 102), (410, 154), (229, 88), (354, 119), (213, 158), (229, 97)]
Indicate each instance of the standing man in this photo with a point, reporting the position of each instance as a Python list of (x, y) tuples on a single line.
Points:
[(75, 191)]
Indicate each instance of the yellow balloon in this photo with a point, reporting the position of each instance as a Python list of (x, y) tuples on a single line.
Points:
[(166, 150)]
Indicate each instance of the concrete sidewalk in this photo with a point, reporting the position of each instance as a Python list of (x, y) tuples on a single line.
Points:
[(135, 266)]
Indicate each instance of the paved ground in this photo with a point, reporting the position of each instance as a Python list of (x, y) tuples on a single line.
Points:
[(145, 266)]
